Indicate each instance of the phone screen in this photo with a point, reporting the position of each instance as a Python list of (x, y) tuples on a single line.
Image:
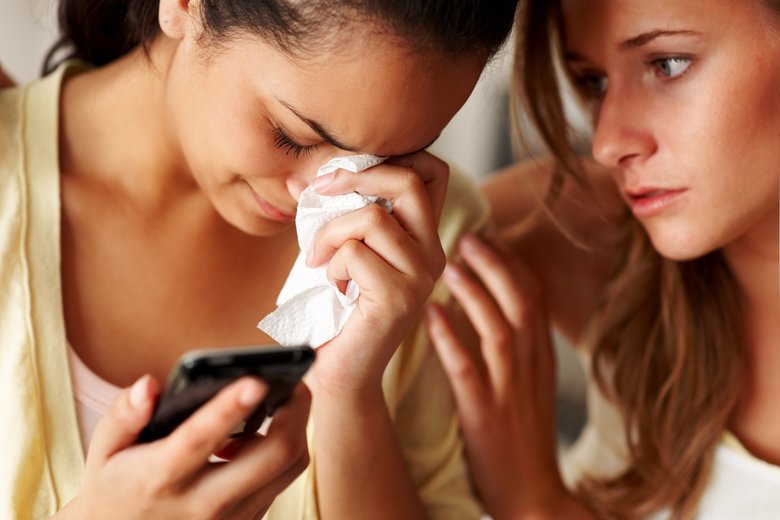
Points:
[(200, 374)]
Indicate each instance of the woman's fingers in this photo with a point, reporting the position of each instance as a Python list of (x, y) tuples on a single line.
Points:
[(499, 277), (203, 433), (495, 332), (384, 292), (543, 353), (254, 506), (263, 463), (433, 171), (129, 413), (471, 395), (173, 477), (378, 230), (406, 189), (517, 294)]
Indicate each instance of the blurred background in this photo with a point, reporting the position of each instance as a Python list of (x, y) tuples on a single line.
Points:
[(476, 142)]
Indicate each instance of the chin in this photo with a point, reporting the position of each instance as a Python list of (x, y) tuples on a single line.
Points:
[(254, 226), (681, 248), (250, 223)]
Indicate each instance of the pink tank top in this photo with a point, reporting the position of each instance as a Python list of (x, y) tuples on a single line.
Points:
[(93, 396)]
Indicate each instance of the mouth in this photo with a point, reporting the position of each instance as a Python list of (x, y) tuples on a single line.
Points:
[(648, 202), (269, 210)]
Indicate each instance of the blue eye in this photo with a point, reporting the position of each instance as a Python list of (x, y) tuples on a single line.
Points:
[(671, 67), (284, 142)]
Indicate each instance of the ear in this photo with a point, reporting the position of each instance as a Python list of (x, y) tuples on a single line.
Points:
[(178, 18)]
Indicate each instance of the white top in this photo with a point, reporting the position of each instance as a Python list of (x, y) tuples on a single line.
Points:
[(741, 485)]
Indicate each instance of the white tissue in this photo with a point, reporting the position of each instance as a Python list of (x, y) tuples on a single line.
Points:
[(310, 309)]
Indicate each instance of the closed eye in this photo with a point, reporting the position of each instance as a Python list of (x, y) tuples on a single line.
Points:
[(284, 142)]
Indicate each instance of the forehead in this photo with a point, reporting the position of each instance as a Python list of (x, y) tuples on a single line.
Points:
[(586, 21), (370, 90)]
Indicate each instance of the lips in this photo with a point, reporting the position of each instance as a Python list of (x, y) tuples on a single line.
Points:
[(645, 193), (648, 202), (271, 211)]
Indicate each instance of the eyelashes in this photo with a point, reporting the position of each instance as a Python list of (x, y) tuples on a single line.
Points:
[(286, 144)]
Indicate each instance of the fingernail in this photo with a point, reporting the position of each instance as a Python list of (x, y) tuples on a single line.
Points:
[(310, 257), (469, 243), (251, 393), (323, 181), (452, 272), (431, 312), (139, 392)]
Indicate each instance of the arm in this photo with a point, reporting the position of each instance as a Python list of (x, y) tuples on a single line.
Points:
[(359, 466)]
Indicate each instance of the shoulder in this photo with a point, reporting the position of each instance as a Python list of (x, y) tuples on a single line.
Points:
[(520, 189), (29, 122), (572, 244), (29, 113)]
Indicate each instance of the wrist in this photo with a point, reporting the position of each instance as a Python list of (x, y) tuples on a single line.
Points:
[(364, 395), (327, 385)]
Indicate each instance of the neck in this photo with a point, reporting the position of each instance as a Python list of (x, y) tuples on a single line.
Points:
[(755, 261), (114, 130)]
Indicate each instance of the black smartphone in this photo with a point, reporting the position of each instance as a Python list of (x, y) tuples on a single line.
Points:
[(200, 374)]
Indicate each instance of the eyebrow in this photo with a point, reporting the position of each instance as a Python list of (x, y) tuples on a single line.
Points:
[(645, 38), (319, 129), (328, 136), (633, 43)]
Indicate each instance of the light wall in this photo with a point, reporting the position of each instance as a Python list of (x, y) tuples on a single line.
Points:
[(27, 30)]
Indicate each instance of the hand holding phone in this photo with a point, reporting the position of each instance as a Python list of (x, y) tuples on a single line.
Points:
[(175, 477), (200, 374)]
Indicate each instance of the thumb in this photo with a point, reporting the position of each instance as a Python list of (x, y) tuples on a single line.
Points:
[(129, 413)]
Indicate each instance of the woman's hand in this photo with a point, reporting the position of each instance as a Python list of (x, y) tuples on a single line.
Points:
[(394, 258), (172, 477), (506, 396)]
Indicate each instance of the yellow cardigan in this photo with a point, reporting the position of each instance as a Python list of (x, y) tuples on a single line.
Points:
[(42, 461)]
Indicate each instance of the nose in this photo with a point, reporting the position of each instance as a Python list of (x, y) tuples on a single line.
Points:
[(622, 135), (301, 176), (295, 186)]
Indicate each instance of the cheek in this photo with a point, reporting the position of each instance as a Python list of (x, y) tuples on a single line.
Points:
[(221, 145), (748, 143), (221, 135), (748, 107)]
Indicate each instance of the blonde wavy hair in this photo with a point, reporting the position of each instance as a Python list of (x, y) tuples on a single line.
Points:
[(667, 342)]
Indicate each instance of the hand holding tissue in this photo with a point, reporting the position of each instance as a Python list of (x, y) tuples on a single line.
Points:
[(310, 309)]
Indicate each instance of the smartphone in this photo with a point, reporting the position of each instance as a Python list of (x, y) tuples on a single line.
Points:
[(200, 374)]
